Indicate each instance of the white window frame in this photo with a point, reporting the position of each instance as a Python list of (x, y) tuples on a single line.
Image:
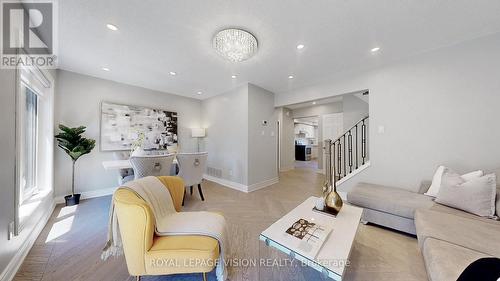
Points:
[(41, 83), (26, 194)]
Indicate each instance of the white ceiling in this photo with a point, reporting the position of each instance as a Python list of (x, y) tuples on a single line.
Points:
[(156, 37)]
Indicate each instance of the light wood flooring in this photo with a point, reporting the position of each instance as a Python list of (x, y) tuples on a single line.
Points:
[(69, 246)]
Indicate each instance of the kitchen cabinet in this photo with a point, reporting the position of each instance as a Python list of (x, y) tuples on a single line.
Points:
[(306, 130)]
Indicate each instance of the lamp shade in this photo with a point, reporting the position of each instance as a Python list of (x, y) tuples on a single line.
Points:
[(197, 132)]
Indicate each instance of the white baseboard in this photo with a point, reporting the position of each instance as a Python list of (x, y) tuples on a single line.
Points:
[(227, 183), (260, 185), (90, 194), (15, 263), (239, 186)]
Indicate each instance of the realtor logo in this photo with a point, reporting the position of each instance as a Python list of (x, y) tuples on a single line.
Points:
[(28, 34)]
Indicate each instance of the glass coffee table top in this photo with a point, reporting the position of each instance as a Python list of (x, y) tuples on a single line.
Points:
[(333, 257)]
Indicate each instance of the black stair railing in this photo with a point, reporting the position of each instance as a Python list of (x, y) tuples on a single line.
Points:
[(350, 150)]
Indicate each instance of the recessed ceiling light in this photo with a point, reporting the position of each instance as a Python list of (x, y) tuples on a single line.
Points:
[(376, 49), (290, 77), (199, 92), (173, 73), (112, 27), (105, 69), (314, 102), (300, 46), (233, 76)]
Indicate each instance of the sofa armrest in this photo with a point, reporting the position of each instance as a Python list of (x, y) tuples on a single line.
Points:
[(176, 188), (136, 221)]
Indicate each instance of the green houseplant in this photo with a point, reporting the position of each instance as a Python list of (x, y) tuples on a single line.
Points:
[(71, 141)]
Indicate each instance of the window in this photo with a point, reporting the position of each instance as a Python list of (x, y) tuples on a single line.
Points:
[(29, 142)]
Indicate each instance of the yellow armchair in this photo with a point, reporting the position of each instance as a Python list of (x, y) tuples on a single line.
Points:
[(148, 254)]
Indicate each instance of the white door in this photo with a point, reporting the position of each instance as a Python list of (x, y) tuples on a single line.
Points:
[(333, 128)]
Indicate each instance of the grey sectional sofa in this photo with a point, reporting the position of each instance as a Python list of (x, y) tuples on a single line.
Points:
[(449, 239)]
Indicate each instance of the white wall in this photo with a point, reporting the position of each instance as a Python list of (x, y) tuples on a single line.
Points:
[(234, 139), (287, 145), (225, 118), (354, 109), (440, 107), (8, 152), (262, 140), (78, 99)]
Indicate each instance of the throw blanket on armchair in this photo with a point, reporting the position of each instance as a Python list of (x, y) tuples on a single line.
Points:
[(169, 221)]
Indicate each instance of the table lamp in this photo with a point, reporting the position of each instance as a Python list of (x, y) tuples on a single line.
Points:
[(198, 133)]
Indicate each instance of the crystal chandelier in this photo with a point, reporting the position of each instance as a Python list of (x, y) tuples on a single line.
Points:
[(235, 44)]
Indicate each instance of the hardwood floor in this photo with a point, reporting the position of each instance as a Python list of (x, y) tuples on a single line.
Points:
[(69, 246)]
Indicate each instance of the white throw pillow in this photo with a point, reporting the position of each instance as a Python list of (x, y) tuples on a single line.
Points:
[(476, 196), (436, 180)]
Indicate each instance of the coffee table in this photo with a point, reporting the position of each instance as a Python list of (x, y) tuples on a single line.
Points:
[(333, 257)]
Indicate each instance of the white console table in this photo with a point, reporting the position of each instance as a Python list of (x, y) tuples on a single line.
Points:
[(121, 164)]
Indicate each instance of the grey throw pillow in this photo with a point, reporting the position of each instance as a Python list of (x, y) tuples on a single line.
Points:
[(476, 196)]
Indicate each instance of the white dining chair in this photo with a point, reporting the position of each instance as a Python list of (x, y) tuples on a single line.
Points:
[(124, 175), (192, 166), (152, 165)]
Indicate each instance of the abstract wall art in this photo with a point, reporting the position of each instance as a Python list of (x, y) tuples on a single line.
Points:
[(122, 126)]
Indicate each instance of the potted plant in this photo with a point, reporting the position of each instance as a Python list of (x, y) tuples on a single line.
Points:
[(71, 141)]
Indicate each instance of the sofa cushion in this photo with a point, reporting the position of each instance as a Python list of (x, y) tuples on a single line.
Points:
[(437, 179), (466, 232), (181, 254), (460, 213), (476, 196), (446, 261), (390, 200)]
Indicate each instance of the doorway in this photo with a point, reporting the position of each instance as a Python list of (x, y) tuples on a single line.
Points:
[(306, 138), (330, 116)]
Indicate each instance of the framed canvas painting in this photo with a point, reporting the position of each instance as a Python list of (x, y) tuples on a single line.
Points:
[(125, 125)]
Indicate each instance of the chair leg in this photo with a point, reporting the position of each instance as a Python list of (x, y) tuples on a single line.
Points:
[(204, 276), (201, 193), (191, 190), (138, 278), (183, 197)]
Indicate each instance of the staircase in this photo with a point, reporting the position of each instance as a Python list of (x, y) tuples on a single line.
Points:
[(350, 152)]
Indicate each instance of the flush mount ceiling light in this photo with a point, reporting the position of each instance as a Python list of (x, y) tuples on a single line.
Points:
[(300, 46), (173, 73), (199, 92), (235, 44), (112, 27), (233, 76), (376, 49), (105, 69), (290, 77)]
